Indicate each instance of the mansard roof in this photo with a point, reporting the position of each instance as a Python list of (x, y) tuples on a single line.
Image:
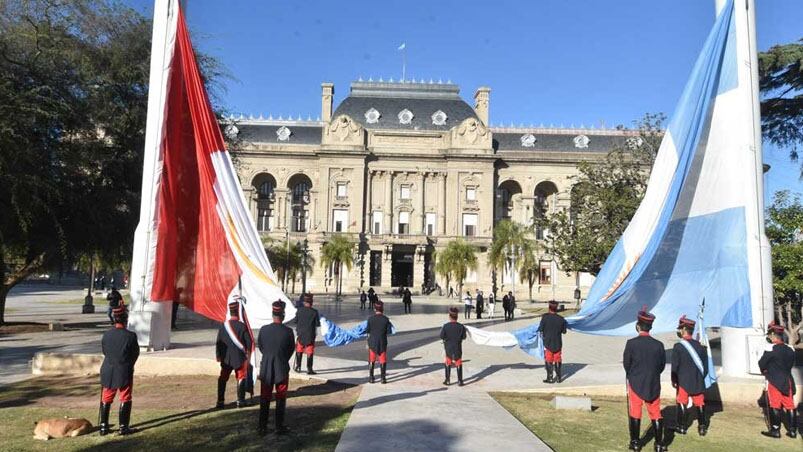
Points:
[(559, 139), (265, 131), (421, 99)]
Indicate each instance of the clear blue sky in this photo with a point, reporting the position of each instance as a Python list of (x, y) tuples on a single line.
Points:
[(568, 62)]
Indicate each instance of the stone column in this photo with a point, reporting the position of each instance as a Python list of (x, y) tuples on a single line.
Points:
[(418, 208), (441, 204), (280, 206), (386, 269), (388, 210), (418, 271), (369, 203)]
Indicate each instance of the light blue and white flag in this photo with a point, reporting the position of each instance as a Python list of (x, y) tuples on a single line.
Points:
[(335, 336)]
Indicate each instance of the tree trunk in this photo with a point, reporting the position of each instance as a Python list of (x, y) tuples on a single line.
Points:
[(3, 294), (339, 279), (530, 281)]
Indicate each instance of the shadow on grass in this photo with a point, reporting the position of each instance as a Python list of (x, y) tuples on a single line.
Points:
[(27, 392)]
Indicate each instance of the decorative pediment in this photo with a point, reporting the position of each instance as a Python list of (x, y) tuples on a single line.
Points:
[(471, 133), (343, 130), (528, 140), (581, 141), (283, 133)]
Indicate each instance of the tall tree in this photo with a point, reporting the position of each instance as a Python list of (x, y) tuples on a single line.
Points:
[(510, 242), (73, 103), (529, 265), (781, 84), (785, 233), (604, 198), (335, 253), (456, 260)]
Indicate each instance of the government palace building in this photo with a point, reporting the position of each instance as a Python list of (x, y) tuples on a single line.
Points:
[(403, 169)]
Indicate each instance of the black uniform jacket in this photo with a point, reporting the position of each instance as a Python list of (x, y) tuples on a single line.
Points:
[(644, 360), (777, 365), (225, 351), (378, 330), (684, 372), (276, 342), (453, 334), (553, 327), (120, 353), (307, 319)]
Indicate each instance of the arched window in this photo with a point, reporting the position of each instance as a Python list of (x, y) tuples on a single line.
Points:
[(545, 200), (264, 184), (505, 195), (300, 186)]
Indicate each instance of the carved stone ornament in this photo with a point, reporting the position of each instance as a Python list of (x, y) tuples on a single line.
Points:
[(232, 131), (283, 133), (343, 129), (372, 116), (405, 116), (471, 132), (581, 142), (634, 143), (528, 140), (439, 118)]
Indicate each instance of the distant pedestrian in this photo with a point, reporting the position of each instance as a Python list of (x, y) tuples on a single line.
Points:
[(114, 298), (407, 300), (451, 292), (480, 304), (553, 327), (506, 306), (363, 299), (491, 305), (372, 298), (468, 303), (512, 305), (453, 334)]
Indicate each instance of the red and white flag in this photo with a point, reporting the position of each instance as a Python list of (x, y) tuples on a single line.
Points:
[(196, 243)]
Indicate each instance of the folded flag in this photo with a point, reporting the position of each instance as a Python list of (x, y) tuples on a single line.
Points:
[(335, 336), (528, 339)]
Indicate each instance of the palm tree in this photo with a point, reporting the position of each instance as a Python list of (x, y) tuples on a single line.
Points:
[(442, 269), (510, 241), (529, 265), (456, 260), (338, 251), (297, 263)]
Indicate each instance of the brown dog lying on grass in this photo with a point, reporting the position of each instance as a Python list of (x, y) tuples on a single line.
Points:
[(61, 428)]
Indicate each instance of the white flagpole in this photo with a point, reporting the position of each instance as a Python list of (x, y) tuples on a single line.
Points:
[(151, 321)]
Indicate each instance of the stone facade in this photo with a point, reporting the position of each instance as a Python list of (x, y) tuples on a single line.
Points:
[(404, 168)]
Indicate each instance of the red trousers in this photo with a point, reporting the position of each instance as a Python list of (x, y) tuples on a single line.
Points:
[(372, 355), (456, 362), (777, 400), (309, 350), (107, 394), (241, 373), (683, 397), (635, 403), (553, 357), (266, 389)]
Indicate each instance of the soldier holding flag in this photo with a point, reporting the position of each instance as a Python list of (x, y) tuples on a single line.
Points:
[(453, 334), (553, 327), (689, 368), (379, 327)]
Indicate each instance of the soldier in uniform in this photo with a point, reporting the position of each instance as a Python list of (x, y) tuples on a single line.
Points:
[(644, 360), (453, 334), (120, 353), (378, 328), (688, 378), (232, 350), (276, 342), (776, 365), (307, 320), (553, 327)]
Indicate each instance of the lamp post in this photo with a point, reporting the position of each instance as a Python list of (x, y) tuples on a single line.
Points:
[(304, 251)]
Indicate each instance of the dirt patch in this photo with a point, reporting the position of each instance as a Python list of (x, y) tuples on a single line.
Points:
[(22, 327)]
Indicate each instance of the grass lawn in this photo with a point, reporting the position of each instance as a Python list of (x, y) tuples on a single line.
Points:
[(174, 413), (605, 428)]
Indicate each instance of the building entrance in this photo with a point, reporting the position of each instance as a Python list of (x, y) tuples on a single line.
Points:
[(401, 270)]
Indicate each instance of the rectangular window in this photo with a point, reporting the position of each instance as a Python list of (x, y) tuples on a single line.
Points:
[(341, 190), (299, 220), (405, 192), (404, 222), (376, 221), (340, 220), (469, 224), (545, 275), (471, 194), (431, 218), (264, 219), (471, 276)]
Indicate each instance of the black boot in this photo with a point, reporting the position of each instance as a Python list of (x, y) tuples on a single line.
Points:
[(658, 427), (297, 366), (460, 375), (791, 423), (635, 433), (383, 367), (558, 376), (221, 394), (125, 418), (281, 406), (775, 424), (680, 420), (309, 365), (702, 421), (241, 394), (371, 372), (262, 426), (103, 418), (549, 378), (448, 370)]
